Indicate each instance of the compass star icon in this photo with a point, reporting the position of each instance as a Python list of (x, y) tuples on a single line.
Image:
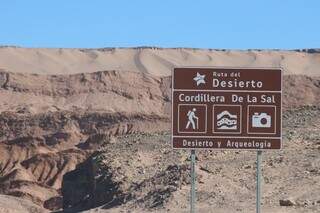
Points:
[(199, 79)]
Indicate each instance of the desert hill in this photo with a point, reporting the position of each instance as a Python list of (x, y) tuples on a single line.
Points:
[(90, 128), (152, 60)]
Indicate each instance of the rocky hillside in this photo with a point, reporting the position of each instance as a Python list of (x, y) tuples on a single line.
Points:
[(115, 92), (107, 91), (143, 174), (75, 138)]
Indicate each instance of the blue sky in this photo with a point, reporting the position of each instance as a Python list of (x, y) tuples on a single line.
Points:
[(237, 24)]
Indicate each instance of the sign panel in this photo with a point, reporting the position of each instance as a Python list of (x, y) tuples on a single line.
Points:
[(226, 108)]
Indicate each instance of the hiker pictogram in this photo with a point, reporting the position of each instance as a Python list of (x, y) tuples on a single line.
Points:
[(192, 119)]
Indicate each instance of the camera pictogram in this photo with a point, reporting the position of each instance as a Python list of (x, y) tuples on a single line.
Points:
[(261, 119)]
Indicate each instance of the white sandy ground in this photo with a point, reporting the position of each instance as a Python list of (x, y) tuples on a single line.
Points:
[(157, 61)]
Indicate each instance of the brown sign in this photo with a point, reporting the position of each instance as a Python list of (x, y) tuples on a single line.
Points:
[(226, 108)]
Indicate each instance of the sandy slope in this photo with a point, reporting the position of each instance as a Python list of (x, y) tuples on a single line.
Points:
[(156, 61)]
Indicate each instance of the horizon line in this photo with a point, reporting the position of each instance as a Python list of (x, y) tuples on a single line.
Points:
[(307, 50)]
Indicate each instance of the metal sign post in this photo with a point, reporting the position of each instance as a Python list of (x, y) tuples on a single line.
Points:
[(258, 203), (193, 181), (226, 108)]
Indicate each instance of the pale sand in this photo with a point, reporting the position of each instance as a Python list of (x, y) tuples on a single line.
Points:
[(156, 61)]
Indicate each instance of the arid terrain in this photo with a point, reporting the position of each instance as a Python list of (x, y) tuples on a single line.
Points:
[(89, 130)]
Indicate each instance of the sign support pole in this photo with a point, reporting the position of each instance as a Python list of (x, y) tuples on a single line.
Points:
[(193, 181), (258, 203)]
